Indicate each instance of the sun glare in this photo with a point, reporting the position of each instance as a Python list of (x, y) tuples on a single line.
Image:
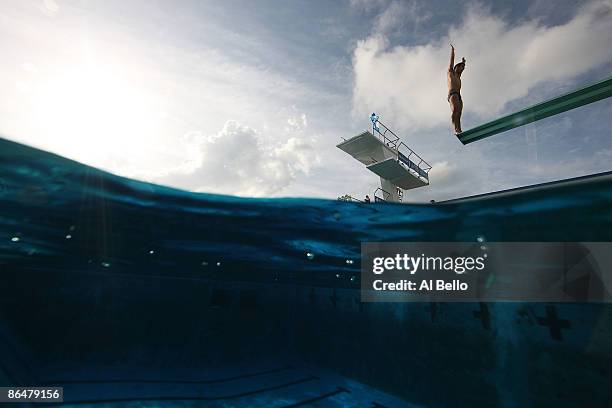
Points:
[(94, 111)]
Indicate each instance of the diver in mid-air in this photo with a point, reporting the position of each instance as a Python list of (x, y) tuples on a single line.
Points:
[(454, 90)]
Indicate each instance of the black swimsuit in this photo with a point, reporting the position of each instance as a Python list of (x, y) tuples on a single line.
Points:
[(451, 93)]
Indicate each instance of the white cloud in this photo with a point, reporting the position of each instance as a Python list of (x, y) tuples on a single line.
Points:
[(442, 171), (504, 62), (297, 123), (237, 161), (399, 14), (49, 7), (367, 4)]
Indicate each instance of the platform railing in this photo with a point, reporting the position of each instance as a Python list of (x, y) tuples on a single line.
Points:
[(413, 161), (405, 155), (387, 136), (384, 195)]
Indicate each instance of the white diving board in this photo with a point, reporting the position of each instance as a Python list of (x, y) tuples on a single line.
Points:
[(364, 147)]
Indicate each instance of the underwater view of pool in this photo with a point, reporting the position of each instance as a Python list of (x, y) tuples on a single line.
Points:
[(132, 294)]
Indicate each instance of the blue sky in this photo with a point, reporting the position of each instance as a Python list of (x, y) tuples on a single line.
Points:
[(251, 97)]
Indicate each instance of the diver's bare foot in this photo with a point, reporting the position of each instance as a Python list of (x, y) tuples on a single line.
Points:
[(457, 132)]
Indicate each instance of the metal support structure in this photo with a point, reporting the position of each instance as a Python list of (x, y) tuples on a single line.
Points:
[(384, 154), (392, 195)]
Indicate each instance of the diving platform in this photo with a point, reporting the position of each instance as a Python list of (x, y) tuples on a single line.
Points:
[(589, 94), (395, 171), (384, 154)]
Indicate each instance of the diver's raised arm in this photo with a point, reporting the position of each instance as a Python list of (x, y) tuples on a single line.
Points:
[(452, 58)]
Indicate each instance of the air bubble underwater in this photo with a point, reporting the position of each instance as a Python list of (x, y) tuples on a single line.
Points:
[(310, 256), (71, 229)]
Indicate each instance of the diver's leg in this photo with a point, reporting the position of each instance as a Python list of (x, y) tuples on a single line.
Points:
[(456, 113), (452, 108), (459, 112)]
